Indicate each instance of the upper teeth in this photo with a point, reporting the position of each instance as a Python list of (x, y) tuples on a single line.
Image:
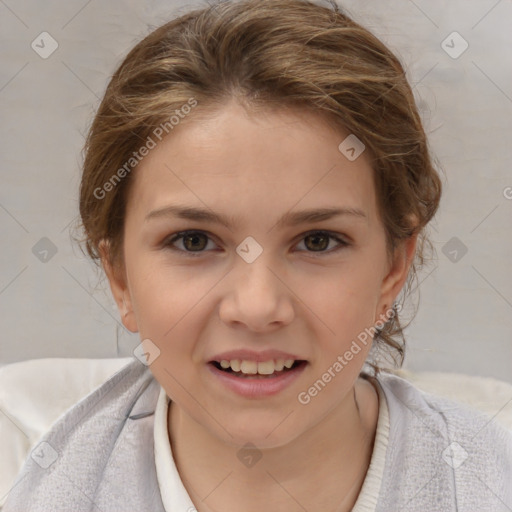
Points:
[(252, 367)]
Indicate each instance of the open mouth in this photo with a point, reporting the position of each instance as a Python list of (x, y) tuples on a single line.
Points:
[(250, 369)]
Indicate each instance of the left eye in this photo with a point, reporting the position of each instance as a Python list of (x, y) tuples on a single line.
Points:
[(196, 242), (322, 239)]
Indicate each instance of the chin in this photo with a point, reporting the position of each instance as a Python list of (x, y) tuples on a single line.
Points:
[(261, 434)]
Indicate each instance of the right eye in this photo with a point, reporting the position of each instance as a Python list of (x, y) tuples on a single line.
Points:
[(192, 241)]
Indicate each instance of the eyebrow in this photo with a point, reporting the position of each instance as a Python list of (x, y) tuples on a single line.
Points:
[(288, 219)]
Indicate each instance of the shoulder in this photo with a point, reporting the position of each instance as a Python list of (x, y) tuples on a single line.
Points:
[(96, 452), (458, 454), (439, 411)]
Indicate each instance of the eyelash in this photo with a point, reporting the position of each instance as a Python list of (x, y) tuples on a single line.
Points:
[(194, 254)]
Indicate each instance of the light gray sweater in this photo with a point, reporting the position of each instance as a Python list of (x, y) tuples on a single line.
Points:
[(99, 456)]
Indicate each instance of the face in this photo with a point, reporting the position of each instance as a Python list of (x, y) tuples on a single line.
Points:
[(267, 280)]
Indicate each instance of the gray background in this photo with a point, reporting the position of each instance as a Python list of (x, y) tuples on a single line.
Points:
[(53, 308)]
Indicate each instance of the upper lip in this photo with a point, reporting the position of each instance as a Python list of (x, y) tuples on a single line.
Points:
[(251, 355)]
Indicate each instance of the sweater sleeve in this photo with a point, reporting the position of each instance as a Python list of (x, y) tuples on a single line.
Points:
[(442, 455)]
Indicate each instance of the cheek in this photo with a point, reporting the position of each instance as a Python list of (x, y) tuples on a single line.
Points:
[(164, 296), (345, 299), (344, 315)]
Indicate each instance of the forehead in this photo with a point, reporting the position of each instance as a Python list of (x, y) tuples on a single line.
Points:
[(236, 160)]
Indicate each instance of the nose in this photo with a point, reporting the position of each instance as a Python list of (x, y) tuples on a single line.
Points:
[(257, 297)]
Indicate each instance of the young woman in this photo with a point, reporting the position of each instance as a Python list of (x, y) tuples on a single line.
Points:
[(257, 184)]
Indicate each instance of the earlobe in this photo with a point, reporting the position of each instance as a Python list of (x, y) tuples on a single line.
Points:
[(119, 288)]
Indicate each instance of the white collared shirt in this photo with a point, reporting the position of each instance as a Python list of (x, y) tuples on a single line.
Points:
[(175, 496)]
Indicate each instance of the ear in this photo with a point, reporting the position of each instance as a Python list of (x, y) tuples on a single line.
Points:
[(396, 277), (119, 287)]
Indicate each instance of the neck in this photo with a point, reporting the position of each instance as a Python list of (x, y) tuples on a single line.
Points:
[(325, 465)]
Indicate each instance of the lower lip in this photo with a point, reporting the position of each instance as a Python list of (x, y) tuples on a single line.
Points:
[(257, 387)]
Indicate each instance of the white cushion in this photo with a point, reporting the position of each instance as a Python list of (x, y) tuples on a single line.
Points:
[(35, 393), (491, 396)]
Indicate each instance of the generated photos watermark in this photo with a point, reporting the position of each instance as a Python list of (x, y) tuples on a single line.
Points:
[(304, 397), (159, 133)]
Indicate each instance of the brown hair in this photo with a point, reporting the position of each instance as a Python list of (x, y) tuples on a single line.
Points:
[(268, 54)]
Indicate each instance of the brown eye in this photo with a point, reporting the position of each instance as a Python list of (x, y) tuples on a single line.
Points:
[(319, 241), (195, 241), (191, 241)]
